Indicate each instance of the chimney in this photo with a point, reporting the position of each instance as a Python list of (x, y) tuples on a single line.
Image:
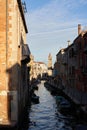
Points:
[(79, 29), (68, 42)]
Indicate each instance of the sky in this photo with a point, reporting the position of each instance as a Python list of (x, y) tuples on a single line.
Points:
[(51, 23)]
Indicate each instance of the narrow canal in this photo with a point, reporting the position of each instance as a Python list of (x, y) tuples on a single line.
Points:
[(45, 115)]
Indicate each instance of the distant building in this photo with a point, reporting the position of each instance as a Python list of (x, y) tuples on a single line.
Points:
[(37, 69), (14, 56), (43, 71)]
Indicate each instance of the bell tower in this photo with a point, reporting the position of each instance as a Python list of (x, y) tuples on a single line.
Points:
[(49, 64), (49, 61)]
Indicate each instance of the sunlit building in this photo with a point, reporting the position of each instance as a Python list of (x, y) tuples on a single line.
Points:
[(38, 70), (72, 68), (14, 56), (31, 67)]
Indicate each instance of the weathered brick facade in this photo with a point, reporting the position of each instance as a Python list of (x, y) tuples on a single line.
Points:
[(72, 68), (13, 67)]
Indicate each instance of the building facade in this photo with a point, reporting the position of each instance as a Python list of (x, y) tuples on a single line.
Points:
[(14, 56), (80, 54), (72, 68), (37, 69)]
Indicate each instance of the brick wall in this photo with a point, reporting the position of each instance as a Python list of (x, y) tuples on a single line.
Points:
[(3, 55), (11, 31)]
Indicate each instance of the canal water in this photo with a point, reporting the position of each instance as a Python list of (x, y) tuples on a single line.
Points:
[(45, 115)]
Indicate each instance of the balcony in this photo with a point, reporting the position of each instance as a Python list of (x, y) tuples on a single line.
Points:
[(25, 57)]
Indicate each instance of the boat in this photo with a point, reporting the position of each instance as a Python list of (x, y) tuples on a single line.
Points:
[(35, 87), (81, 127), (65, 107), (35, 98), (59, 99)]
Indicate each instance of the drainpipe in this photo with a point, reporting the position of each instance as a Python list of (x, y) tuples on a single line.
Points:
[(6, 41)]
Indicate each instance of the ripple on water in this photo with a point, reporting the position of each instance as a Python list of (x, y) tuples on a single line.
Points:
[(45, 115)]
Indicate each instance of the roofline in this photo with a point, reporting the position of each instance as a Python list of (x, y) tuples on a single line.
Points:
[(60, 50), (39, 62), (22, 14)]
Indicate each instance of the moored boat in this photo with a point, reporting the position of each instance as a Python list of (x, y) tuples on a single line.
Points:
[(35, 98)]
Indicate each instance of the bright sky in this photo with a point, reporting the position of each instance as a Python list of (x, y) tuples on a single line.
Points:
[(51, 23)]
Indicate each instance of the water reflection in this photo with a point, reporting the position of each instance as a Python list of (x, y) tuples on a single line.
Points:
[(45, 115)]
